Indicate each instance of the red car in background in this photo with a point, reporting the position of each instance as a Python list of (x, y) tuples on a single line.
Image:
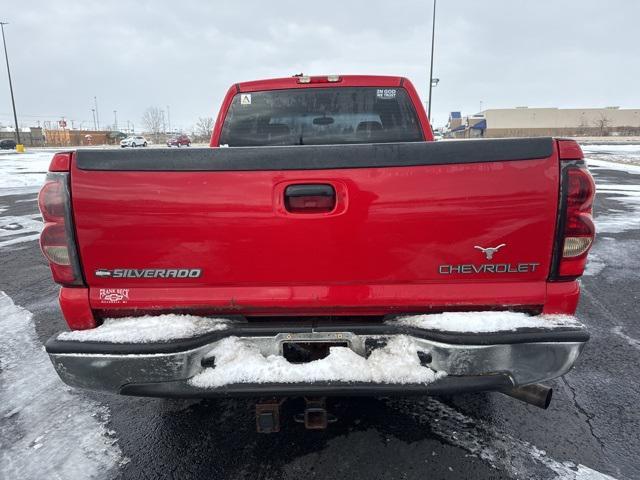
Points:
[(179, 141)]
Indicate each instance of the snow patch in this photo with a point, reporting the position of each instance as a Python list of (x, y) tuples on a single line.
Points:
[(20, 229), (630, 340), (595, 265), (619, 221), (499, 448), (24, 172), (483, 322), (615, 157), (147, 329), (48, 431), (239, 362)]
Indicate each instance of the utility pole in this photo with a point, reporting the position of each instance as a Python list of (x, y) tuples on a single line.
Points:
[(13, 102), (115, 120), (95, 100), (433, 36)]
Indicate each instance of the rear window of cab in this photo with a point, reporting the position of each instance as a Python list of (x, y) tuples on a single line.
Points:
[(321, 116)]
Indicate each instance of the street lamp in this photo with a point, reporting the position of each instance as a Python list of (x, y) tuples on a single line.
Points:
[(13, 103), (95, 101), (433, 35), (435, 82)]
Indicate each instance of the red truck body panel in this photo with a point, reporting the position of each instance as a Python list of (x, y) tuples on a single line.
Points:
[(381, 250), (401, 239)]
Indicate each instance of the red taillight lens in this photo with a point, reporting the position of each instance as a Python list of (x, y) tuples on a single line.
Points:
[(53, 241), (52, 201), (580, 190), (56, 240), (578, 231)]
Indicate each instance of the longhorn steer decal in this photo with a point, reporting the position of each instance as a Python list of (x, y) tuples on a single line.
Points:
[(490, 251)]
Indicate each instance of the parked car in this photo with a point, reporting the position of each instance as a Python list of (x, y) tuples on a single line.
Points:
[(179, 141), (345, 253), (8, 144), (135, 141)]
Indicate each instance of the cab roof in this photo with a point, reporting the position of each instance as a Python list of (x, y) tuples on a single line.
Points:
[(321, 81)]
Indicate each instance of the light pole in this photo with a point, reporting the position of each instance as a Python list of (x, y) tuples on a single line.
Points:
[(95, 100), (13, 102), (168, 119), (95, 125), (115, 120), (433, 36)]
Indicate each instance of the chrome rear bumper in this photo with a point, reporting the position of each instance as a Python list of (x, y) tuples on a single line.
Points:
[(473, 362)]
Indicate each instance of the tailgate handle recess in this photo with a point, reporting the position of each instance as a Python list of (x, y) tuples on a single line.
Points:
[(310, 198)]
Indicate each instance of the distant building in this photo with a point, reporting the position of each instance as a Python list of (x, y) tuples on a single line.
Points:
[(537, 122), (31, 137), (455, 120)]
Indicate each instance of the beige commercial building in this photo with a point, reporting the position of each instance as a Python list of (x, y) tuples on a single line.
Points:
[(527, 122)]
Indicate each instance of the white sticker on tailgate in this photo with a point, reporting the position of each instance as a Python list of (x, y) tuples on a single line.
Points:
[(114, 295)]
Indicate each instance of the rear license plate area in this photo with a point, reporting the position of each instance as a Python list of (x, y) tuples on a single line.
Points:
[(304, 352)]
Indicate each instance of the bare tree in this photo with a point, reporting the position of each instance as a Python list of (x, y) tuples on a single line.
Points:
[(204, 127), (583, 128), (153, 121), (602, 124)]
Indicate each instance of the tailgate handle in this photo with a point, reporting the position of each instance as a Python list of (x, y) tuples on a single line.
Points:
[(310, 198)]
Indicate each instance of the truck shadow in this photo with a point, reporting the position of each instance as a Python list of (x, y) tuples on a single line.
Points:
[(372, 438)]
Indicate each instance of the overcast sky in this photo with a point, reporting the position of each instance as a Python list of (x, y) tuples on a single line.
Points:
[(135, 54)]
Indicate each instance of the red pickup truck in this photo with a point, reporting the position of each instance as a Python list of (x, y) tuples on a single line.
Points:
[(332, 248)]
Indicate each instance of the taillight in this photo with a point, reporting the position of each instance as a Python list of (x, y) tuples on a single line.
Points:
[(576, 231), (57, 238)]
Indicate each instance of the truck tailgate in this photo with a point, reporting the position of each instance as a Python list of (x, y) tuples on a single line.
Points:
[(412, 228)]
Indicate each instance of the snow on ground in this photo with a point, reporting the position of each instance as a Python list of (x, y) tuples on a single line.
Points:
[(613, 165), (623, 158), (147, 329), (493, 445), (239, 362), (634, 342), (23, 173), (618, 221), (47, 430), (19, 229), (627, 156), (481, 322), (595, 264)]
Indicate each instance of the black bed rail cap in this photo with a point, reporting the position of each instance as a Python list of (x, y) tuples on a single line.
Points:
[(315, 157)]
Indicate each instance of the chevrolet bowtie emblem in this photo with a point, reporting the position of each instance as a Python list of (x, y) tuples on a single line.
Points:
[(490, 251)]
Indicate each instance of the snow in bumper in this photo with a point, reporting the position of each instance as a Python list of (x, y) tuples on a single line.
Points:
[(384, 358)]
